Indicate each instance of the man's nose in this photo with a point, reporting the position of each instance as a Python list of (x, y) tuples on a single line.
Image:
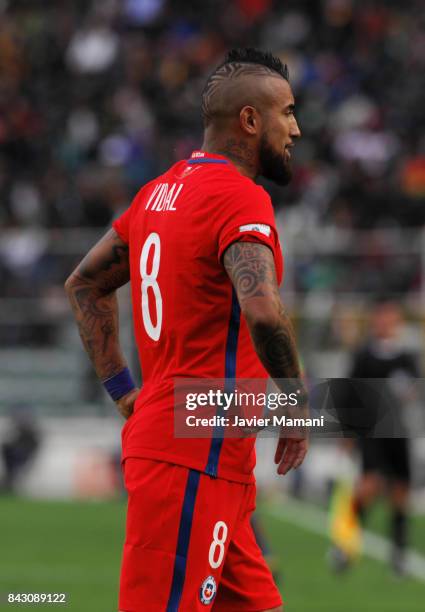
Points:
[(295, 130)]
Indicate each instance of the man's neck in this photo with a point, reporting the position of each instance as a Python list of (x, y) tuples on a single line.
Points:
[(237, 150)]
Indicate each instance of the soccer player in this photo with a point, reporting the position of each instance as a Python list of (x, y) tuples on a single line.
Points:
[(200, 247)]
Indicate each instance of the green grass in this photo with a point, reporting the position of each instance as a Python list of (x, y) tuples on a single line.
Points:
[(307, 585), (62, 547), (76, 548)]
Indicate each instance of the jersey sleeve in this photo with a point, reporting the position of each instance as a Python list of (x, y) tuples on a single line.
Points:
[(246, 215), (123, 223)]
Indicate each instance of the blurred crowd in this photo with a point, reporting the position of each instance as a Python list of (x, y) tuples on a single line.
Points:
[(98, 96)]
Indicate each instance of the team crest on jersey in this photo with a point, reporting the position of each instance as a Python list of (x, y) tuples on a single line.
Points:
[(208, 590)]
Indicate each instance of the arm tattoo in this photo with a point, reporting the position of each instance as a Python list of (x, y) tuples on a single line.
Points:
[(276, 348), (251, 269), (92, 292)]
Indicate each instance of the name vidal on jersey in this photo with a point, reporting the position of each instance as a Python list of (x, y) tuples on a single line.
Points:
[(164, 197)]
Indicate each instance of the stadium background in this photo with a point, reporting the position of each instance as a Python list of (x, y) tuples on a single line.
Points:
[(95, 99)]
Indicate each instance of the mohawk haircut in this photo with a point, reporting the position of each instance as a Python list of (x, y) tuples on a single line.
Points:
[(237, 63)]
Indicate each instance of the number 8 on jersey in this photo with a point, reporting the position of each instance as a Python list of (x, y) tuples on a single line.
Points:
[(149, 280)]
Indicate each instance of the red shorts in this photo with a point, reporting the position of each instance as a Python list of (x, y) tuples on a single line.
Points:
[(189, 544)]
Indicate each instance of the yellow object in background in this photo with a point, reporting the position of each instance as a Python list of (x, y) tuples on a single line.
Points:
[(345, 528)]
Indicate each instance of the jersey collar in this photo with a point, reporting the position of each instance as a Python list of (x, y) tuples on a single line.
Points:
[(201, 157)]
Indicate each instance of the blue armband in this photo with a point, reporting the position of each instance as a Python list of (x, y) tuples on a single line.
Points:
[(119, 385)]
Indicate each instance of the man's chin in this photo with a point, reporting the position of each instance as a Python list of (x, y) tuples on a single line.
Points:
[(281, 176), (275, 166)]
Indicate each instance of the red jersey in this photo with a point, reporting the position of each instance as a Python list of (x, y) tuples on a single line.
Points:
[(187, 319)]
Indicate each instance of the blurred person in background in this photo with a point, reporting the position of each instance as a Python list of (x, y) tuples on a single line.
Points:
[(19, 447), (385, 462)]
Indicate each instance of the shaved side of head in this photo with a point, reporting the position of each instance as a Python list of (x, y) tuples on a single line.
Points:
[(234, 84), (248, 111)]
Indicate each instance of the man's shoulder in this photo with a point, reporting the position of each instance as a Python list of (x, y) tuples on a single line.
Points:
[(235, 186)]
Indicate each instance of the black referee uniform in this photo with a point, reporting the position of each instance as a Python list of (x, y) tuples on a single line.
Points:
[(386, 456)]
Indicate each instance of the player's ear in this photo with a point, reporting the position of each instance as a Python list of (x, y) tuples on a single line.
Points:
[(249, 120)]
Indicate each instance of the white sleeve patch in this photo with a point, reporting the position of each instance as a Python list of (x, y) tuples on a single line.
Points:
[(256, 227)]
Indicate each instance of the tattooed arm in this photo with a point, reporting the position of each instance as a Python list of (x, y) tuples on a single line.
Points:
[(91, 289), (251, 269)]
